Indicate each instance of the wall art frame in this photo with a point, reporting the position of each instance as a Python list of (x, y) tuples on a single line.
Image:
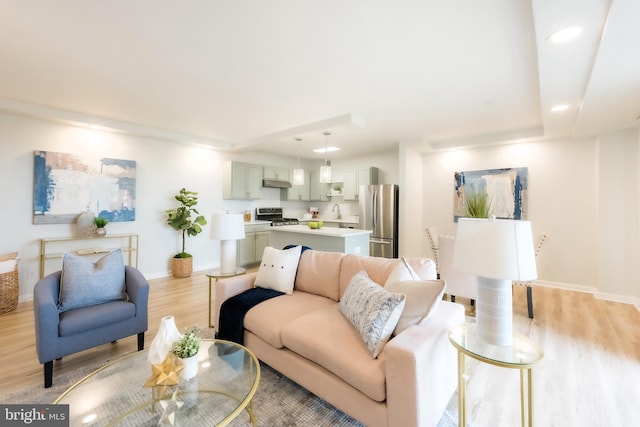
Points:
[(507, 191), (66, 185)]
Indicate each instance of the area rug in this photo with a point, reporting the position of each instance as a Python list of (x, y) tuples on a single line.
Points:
[(279, 402)]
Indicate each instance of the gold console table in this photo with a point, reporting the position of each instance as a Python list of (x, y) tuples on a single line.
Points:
[(56, 247)]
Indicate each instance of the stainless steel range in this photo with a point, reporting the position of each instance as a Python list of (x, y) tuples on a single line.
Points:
[(274, 215)]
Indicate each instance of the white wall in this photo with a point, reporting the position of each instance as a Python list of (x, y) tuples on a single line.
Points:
[(617, 219), (583, 192)]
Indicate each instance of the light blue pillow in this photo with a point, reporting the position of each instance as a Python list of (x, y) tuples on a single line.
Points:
[(373, 310), (84, 283)]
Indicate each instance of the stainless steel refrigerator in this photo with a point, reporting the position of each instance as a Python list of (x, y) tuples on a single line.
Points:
[(379, 213)]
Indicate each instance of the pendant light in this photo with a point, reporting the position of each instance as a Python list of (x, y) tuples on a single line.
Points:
[(325, 170), (298, 174)]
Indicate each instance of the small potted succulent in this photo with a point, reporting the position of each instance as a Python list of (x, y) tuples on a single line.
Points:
[(100, 224), (186, 348)]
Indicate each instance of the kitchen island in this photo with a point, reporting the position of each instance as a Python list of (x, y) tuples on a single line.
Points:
[(331, 239)]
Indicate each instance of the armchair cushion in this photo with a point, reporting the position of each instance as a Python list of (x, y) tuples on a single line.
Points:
[(84, 283), (95, 316)]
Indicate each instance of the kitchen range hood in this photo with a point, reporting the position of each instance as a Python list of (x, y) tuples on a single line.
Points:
[(275, 183)]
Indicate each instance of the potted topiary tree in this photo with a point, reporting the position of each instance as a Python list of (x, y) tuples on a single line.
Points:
[(181, 219)]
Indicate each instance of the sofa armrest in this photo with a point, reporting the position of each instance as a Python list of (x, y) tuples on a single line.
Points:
[(227, 288), (421, 369), (137, 288), (45, 313)]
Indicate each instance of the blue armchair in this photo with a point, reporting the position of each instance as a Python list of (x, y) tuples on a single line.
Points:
[(60, 334)]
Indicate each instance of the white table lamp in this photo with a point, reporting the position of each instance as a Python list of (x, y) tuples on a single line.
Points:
[(498, 251), (227, 228)]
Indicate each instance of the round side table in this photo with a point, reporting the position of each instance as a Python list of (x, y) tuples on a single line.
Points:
[(523, 354)]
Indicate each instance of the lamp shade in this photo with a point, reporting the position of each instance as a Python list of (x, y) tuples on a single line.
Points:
[(227, 226), (495, 248)]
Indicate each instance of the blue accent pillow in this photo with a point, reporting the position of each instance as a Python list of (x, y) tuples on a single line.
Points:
[(84, 283)]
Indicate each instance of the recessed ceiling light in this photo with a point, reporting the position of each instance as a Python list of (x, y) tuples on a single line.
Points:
[(558, 108), (328, 150), (565, 35)]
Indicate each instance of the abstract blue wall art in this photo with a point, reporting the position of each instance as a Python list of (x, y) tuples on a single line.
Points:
[(66, 185), (506, 189)]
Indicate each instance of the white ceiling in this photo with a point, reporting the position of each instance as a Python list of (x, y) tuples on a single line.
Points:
[(253, 75)]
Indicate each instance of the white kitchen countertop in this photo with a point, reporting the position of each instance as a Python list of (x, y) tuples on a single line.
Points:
[(324, 231), (347, 220)]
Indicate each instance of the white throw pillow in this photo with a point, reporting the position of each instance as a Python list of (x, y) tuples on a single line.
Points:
[(278, 269), (372, 310), (401, 271), (84, 283), (423, 296)]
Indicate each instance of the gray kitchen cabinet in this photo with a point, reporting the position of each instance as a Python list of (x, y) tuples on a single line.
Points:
[(249, 250), (271, 172), (241, 181), (353, 179), (299, 192), (318, 192)]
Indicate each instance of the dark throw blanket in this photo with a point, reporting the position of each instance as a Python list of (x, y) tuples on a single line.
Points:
[(233, 310)]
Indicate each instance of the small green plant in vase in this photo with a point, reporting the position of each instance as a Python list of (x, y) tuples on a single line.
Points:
[(188, 345), (186, 348), (100, 224)]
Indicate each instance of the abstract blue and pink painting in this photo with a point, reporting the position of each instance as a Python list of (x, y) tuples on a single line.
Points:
[(506, 190), (66, 185)]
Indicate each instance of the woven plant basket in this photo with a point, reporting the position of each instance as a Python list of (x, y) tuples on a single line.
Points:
[(182, 267), (9, 286)]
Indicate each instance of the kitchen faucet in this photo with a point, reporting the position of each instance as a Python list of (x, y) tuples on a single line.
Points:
[(335, 205)]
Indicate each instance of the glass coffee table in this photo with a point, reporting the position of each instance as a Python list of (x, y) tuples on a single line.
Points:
[(228, 377)]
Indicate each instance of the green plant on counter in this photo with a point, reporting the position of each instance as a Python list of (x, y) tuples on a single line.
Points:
[(477, 204), (180, 219)]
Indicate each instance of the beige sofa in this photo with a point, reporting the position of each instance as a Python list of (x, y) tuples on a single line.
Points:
[(308, 339)]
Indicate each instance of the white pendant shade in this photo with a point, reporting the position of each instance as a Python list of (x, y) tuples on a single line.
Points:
[(298, 176), (325, 174), (325, 170)]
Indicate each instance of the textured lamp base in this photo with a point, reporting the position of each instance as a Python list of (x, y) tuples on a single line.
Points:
[(494, 311)]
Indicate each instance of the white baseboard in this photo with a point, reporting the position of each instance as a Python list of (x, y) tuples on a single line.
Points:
[(625, 299)]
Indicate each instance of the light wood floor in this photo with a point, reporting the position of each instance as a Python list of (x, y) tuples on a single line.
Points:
[(590, 375)]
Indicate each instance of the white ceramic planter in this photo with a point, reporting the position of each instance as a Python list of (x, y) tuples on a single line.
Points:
[(190, 369)]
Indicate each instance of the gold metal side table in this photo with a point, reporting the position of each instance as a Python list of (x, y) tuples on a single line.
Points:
[(216, 274), (523, 354)]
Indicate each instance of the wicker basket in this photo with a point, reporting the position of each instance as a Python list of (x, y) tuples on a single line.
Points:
[(182, 267), (9, 286)]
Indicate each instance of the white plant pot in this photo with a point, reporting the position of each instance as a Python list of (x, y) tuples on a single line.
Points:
[(190, 369)]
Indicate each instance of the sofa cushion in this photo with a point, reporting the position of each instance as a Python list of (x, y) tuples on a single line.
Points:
[(84, 283), (96, 316), (267, 319), (378, 269), (319, 273), (327, 338), (401, 271), (422, 297), (372, 310), (425, 268), (278, 269)]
